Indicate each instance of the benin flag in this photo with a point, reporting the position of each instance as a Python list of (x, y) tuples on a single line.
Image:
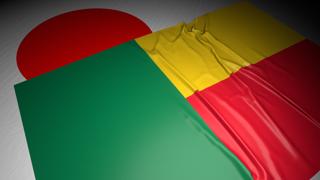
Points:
[(232, 95)]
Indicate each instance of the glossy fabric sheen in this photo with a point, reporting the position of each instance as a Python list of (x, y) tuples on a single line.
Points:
[(115, 116), (199, 54), (268, 113)]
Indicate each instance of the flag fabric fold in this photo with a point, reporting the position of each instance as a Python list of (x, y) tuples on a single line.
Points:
[(254, 82)]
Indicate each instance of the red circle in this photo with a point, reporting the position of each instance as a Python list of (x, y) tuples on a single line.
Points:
[(73, 36)]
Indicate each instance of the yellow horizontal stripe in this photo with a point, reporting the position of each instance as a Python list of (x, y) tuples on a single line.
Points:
[(206, 51)]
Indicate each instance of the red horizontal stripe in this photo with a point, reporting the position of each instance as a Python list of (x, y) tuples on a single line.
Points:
[(268, 113)]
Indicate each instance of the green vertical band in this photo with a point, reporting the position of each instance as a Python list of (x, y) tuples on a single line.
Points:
[(115, 116)]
